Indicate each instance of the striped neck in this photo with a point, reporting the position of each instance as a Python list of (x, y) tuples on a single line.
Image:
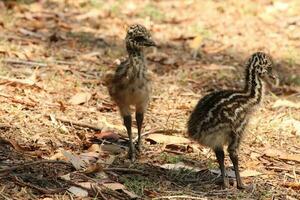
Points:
[(137, 62), (253, 85)]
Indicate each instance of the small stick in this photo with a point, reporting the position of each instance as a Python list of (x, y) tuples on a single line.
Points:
[(157, 131), (20, 101), (31, 33), (97, 190), (24, 62), (180, 197), (33, 163), (18, 81), (37, 63), (175, 152), (42, 190), (5, 126), (76, 123), (283, 169), (113, 143), (124, 170)]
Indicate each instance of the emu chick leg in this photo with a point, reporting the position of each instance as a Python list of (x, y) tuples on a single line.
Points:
[(139, 121), (220, 157), (127, 123)]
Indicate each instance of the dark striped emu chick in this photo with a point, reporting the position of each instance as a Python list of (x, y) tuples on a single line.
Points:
[(220, 118), (130, 85)]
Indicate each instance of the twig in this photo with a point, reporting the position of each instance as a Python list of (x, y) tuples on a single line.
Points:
[(20, 101), (283, 169), (42, 190), (31, 33), (24, 62), (76, 123), (180, 197), (175, 152), (97, 190), (109, 142), (157, 131), (21, 165), (14, 81), (128, 170), (114, 193), (36, 63), (4, 126)]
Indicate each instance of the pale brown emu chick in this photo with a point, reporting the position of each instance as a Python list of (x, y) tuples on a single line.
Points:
[(220, 117), (130, 85)]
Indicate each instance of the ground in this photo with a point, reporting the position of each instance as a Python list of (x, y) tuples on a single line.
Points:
[(55, 106)]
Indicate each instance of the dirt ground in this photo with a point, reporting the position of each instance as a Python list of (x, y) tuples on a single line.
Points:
[(60, 129)]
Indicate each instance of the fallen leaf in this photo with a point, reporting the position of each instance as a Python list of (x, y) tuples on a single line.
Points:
[(94, 148), (66, 177), (75, 160), (58, 156), (79, 192), (107, 135), (111, 148), (285, 103), (119, 186), (292, 125), (114, 186), (254, 155), (293, 185), (87, 185), (180, 165), (93, 168), (62, 107), (231, 174), (250, 173), (275, 153), (196, 42), (89, 157), (61, 127), (80, 98), (177, 147), (167, 139)]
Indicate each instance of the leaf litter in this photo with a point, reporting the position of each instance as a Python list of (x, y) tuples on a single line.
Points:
[(55, 106)]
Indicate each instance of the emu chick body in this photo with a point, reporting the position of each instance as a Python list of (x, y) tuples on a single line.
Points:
[(130, 85), (219, 119)]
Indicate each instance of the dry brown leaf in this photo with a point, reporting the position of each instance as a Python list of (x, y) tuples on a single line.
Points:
[(21, 149), (285, 103), (75, 160), (167, 139), (250, 173), (180, 165), (177, 147), (231, 173), (107, 135), (119, 186), (196, 42), (293, 185), (114, 149), (93, 168), (89, 157), (275, 153), (94, 148), (79, 192), (80, 98)]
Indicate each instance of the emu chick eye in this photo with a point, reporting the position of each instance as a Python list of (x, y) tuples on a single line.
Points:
[(139, 39)]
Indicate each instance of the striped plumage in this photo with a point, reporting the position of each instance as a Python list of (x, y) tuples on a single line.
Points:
[(129, 85), (220, 117)]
